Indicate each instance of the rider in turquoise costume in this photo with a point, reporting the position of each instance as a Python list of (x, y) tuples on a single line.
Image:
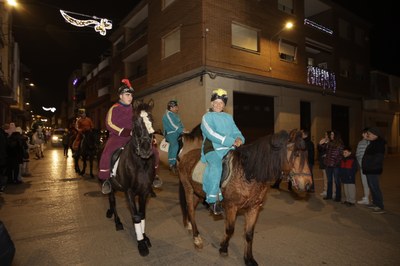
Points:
[(220, 135), (173, 128)]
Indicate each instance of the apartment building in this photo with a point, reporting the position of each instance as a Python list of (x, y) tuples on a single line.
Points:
[(313, 76)]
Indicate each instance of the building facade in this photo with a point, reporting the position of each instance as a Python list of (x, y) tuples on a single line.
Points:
[(314, 76)]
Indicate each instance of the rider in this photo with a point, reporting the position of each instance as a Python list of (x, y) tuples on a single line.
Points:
[(119, 126), (220, 135), (83, 124), (173, 128)]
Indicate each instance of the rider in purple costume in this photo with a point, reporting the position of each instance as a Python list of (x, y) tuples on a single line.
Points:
[(119, 125)]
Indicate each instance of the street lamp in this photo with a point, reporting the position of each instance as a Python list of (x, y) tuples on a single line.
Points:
[(289, 25)]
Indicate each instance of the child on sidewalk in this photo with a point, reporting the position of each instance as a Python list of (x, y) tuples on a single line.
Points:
[(347, 173)]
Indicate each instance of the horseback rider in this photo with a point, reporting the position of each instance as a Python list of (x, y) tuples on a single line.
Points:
[(220, 135), (119, 126), (83, 124), (173, 128)]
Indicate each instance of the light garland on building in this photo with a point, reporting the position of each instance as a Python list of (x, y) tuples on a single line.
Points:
[(100, 26), (322, 78), (317, 26)]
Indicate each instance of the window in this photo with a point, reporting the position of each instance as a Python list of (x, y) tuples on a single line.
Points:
[(245, 37), (344, 29), (286, 6), (166, 3), (360, 73), (287, 51), (359, 36), (344, 68), (171, 43)]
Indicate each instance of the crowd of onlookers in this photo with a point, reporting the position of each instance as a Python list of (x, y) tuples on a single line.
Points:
[(15, 147)]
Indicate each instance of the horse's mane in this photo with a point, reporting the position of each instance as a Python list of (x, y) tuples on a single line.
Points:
[(194, 134), (262, 159)]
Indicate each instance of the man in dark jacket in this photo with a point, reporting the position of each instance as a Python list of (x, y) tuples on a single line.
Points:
[(310, 152), (3, 159), (372, 167)]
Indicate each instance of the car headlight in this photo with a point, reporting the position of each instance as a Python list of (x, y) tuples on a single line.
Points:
[(54, 138)]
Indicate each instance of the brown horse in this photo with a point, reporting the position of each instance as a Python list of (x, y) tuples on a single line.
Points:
[(244, 183)]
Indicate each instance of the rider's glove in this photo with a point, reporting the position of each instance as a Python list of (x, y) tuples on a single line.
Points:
[(125, 132)]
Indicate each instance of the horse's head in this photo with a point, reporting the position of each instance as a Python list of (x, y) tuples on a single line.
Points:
[(142, 128), (297, 169), (191, 140)]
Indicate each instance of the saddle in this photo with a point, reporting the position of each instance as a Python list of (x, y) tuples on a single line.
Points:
[(114, 165), (200, 167)]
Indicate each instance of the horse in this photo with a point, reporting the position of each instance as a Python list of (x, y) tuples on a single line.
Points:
[(246, 171), (87, 152), (135, 174)]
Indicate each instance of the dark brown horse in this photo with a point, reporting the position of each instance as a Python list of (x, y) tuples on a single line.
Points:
[(244, 183), (135, 174)]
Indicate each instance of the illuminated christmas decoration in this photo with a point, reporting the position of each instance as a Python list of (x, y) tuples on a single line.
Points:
[(52, 109), (100, 24), (322, 78), (317, 26)]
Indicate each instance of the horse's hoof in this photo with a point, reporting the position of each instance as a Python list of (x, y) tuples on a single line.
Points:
[(250, 262), (147, 240), (109, 213), (143, 249), (119, 227), (223, 251), (198, 242)]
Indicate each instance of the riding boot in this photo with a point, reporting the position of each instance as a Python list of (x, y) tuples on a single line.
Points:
[(106, 187), (290, 186), (277, 183), (216, 208)]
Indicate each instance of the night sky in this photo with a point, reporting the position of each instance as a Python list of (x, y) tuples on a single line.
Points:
[(52, 48)]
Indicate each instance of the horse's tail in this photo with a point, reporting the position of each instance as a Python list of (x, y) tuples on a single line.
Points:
[(183, 203)]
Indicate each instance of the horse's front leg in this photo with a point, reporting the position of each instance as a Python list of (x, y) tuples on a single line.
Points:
[(91, 159), (250, 223), (84, 165), (113, 211), (137, 219), (230, 219)]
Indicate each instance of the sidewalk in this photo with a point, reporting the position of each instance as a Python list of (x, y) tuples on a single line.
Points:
[(58, 218)]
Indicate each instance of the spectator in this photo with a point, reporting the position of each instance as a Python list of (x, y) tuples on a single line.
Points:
[(372, 167), (3, 158), (334, 154), (310, 152), (321, 157), (347, 173), (362, 145)]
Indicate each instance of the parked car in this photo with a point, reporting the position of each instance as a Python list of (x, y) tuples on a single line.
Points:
[(57, 137)]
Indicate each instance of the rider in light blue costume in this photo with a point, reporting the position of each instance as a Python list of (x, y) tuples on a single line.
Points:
[(173, 128), (220, 135)]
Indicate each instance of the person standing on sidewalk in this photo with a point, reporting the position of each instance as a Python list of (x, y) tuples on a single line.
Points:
[(173, 128), (3, 159), (362, 145), (372, 167), (321, 156), (334, 154), (347, 174)]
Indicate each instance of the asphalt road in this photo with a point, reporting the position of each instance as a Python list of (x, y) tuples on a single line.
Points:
[(57, 217)]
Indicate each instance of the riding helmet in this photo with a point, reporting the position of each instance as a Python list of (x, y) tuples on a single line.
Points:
[(219, 94), (126, 87), (171, 104)]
